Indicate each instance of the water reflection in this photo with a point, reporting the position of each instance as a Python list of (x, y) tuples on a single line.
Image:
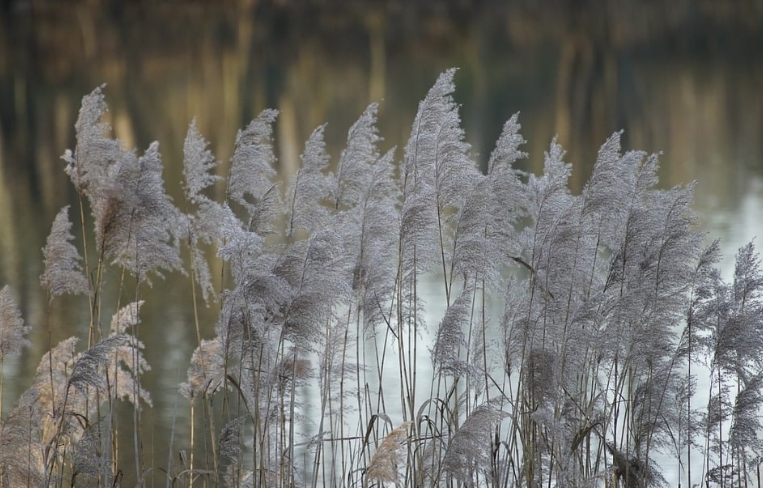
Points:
[(682, 79)]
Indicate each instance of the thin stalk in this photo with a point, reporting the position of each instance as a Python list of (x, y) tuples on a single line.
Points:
[(341, 391), (720, 424), (86, 262), (193, 444), (292, 416), (208, 404), (319, 447), (486, 375), (403, 369), (442, 254), (688, 410)]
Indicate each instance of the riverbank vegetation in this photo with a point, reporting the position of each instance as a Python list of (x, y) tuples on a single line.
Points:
[(567, 353)]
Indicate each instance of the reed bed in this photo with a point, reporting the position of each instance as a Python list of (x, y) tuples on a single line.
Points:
[(567, 355)]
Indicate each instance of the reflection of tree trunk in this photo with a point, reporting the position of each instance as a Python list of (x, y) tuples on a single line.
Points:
[(605, 106), (586, 100), (53, 186), (482, 143), (563, 81), (573, 81), (375, 23), (230, 76), (288, 139), (20, 99), (245, 43), (85, 17), (9, 240), (121, 122)]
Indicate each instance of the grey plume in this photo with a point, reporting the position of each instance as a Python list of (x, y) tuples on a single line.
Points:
[(63, 271), (354, 170), (469, 451), (310, 187), (198, 161), (450, 343), (252, 172), (12, 328), (87, 368)]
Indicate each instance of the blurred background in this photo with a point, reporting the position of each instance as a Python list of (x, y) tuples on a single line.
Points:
[(680, 77)]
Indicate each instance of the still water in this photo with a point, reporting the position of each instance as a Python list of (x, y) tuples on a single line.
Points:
[(682, 80)]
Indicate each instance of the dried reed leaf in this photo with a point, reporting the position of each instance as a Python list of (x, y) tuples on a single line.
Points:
[(384, 464)]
